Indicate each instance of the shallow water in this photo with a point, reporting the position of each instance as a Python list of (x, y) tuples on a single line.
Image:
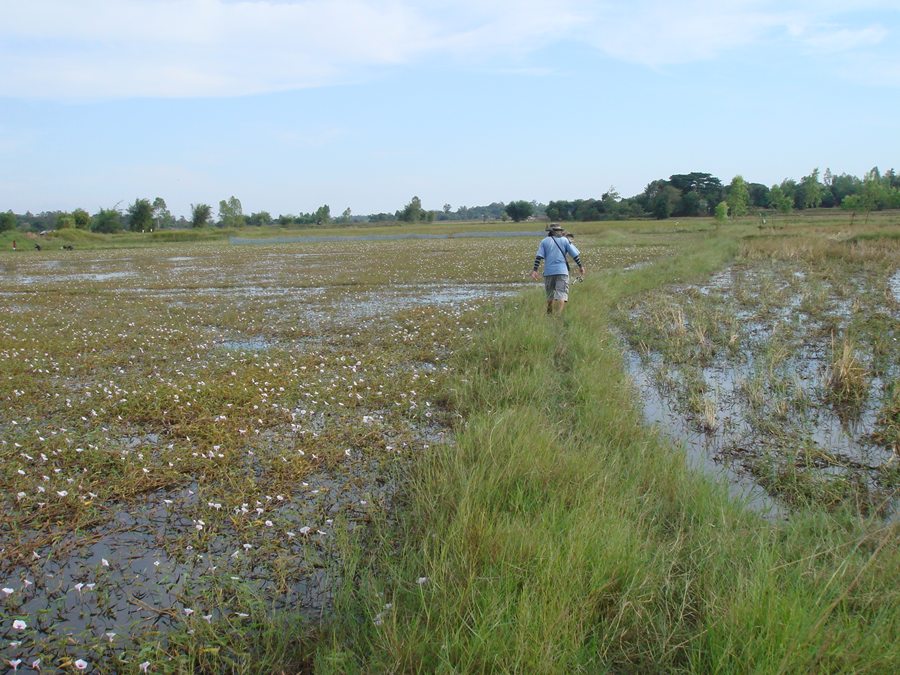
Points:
[(702, 449), (177, 320), (735, 448), (383, 237)]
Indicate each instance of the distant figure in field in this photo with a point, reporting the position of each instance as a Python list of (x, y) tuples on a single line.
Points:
[(14, 244), (553, 250), (37, 246)]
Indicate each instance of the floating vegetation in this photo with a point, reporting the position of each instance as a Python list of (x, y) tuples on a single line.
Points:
[(189, 433)]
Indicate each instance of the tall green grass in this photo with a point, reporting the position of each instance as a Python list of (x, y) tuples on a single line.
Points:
[(558, 534)]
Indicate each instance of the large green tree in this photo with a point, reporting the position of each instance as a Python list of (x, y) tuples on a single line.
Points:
[(7, 221), (844, 186), (705, 185), (201, 215), (323, 215), (107, 221), (520, 210), (810, 191), (412, 212), (665, 201), (162, 217), (738, 197), (140, 216), (65, 220), (260, 218), (82, 219), (231, 213), (780, 201)]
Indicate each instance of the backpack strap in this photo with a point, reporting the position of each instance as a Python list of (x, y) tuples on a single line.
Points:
[(565, 260)]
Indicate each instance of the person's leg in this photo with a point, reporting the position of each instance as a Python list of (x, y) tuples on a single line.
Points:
[(560, 294), (548, 288)]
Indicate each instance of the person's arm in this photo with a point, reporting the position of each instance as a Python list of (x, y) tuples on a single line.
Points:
[(537, 262), (576, 256)]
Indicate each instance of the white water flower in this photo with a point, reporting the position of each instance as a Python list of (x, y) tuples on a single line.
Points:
[(144, 666), (9, 591), (18, 624), (81, 664)]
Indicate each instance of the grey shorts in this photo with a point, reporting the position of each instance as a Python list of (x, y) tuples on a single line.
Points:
[(557, 286)]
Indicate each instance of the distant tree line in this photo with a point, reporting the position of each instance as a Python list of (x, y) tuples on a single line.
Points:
[(680, 195), (700, 194)]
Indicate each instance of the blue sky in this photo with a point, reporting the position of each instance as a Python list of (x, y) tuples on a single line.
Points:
[(362, 104)]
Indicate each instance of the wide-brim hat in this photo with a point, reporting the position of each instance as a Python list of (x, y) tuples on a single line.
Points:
[(555, 227)]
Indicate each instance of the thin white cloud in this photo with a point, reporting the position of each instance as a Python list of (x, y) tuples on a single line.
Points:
[(655, 33), (873, 71), (203, 48), (659, 33), (100, 48), (837, 39)]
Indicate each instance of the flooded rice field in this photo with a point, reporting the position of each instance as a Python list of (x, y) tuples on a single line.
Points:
[(191, 434), (780, 375)]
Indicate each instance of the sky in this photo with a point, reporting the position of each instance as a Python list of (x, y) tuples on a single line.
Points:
[(363, 104)]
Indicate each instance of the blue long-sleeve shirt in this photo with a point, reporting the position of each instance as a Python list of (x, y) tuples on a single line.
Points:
[(554, 256)]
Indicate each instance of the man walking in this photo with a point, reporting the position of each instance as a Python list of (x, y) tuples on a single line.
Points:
[(553, 250)]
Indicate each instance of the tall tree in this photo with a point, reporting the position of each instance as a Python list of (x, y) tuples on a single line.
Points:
[(260, 218), (140, 216), (759, 195), (779, 200), (810, 190), (323, 215), (665, 201), (65, 220), (704, 184), (519, 210), (162, 217), (738, 197), (82, 219), (107, 220), (721, 212), (7, 221), (201, 214), (412, 212), (231, 213), (843, 186)]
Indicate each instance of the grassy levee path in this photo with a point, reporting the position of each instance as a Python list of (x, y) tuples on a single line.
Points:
[(560, 535)]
